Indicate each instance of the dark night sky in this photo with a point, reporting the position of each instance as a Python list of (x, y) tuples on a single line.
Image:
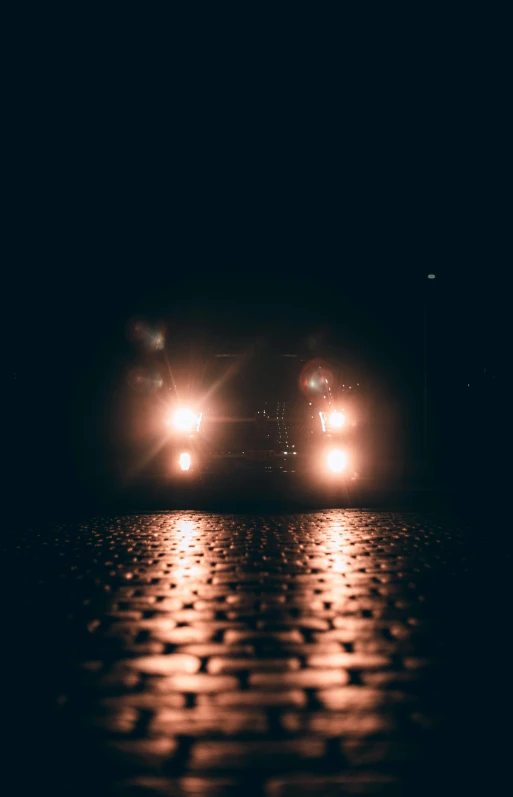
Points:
[(194, 183)]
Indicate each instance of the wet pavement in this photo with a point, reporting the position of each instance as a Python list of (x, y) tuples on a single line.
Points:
[(193, 653)]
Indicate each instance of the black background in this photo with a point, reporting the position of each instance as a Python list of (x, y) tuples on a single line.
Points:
[(308, 171)]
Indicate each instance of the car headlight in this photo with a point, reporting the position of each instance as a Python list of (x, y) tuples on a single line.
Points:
[(337, 419), (186, 420), (337, 460), (332, 421)]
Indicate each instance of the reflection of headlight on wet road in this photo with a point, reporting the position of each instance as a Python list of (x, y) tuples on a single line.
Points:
[(185, 420), (337, 460)]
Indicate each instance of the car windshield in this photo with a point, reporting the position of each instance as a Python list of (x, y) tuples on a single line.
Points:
[(243, 380), (253, 379)]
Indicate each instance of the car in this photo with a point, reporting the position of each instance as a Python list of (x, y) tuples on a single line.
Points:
[(254, 414)]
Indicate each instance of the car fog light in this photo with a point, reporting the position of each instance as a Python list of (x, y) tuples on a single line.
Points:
[(185, 461), (337, 460)]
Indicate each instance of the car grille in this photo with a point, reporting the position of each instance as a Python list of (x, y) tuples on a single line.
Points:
[(235, 436)]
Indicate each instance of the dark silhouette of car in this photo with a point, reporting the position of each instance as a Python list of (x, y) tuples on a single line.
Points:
[(259, 412)]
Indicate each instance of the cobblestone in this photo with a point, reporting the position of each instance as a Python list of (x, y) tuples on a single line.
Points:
[(209, 720), (141, 754), (306, 679), (255, 755), (196, 684), (350, 661), (365, 783), (261, 697), (198, 654), (191, 786), (164, 665), (218, 665)]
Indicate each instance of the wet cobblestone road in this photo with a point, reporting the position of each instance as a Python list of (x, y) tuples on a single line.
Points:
[(189, 653)]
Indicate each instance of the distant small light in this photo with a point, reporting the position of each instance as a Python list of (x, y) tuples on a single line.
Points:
[(431, 276)]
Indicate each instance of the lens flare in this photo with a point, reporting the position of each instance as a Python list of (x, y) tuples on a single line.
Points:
[(150, 337), (316, 379), (141, 380)]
